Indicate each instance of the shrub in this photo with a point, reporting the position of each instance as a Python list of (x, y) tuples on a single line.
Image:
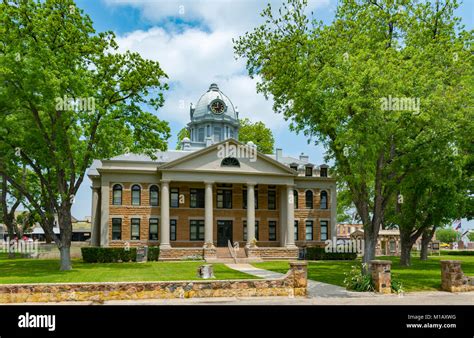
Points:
[(356, 280), (397, 287), (457, 253), (315, 253), (108, 255), (153, 253)]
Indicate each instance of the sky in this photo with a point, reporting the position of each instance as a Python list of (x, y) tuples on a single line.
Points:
[(192, 40)]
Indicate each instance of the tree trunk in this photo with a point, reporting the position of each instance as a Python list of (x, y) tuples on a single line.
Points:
[(11, 236), (406, 241), (65, 227), (370, 242), (425, 240)]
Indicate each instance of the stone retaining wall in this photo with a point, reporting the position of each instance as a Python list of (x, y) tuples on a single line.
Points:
[(453, 278), (272, 253), (175, 254), (294, 283)]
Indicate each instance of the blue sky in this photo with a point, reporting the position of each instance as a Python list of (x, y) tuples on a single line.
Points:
[(192, 40)]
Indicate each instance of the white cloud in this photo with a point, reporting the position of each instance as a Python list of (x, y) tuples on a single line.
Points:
[(197, 55)]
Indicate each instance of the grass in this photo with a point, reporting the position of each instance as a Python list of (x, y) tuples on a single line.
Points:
[(420, 276), (22, 270)]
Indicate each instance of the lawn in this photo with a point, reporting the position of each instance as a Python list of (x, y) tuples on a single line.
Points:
[(420, 276), (21, 270)]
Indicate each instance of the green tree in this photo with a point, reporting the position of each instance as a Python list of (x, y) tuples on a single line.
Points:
[(258, 133), (448, 235), (184, 132), (69, 96), (470, 236), (335, 83)]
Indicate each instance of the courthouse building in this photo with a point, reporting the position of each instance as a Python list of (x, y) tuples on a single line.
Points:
[(213, 193)]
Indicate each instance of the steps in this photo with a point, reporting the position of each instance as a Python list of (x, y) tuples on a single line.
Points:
[(223, 255)]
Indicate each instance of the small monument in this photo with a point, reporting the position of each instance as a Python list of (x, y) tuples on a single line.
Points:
[(205, 271)]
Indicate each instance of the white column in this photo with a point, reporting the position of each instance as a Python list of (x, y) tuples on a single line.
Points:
[(208, 220), (283, 207), (95, 217), (290, 217), (250, 214), (165, 216), (104, 213), (333, 204)]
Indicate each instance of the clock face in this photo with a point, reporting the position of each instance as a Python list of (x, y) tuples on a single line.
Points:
[(217, 107)]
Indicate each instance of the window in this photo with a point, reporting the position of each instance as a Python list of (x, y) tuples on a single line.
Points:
[(174, 198), (296, 230), (244, 199), (271, 199), (197, 198), (224, 198), (117, 194), (309, 230), (116, 229), (136, 190), (201, 135), (196, 230), (309, 171), (392, 246), (153, 225), (173, 229), (135, 229), (245, 230), (154, 196), (230, 162), (324, 200), (324, 230), (272, 231), (323, 172), (295, 198), (217, 134), (294, 167), (309, 199)]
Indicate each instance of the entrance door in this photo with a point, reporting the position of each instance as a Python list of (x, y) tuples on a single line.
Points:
[(224, 233)]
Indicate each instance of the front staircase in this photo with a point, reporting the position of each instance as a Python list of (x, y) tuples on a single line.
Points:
[(223, 255)]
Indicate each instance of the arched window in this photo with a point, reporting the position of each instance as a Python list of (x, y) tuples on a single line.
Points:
[(136, 194), (230, 162), (117, 194), (309, 199), (154, 196), (295, 198), (324, 200)]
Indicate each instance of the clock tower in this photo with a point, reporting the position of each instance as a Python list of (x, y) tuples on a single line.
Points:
[(213, 119)]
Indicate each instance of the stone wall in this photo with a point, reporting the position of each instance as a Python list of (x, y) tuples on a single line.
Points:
[(274, 253), (381, 275), (453, 278), (294, 283), (174, 254)]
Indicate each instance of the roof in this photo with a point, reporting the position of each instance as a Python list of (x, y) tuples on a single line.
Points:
[(382, 232)]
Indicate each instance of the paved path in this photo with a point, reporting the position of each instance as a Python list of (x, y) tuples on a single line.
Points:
[(315, 289)]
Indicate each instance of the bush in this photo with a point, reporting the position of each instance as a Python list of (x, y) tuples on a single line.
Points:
[(356, 280), (108, 255), (153, 253), (457, 253), (315, 253), (448, 235)]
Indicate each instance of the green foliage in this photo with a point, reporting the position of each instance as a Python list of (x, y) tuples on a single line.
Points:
[(332, 83), (447, 235), (357, 280), (153, 253), (397, 286), (470, 236), (108, 255), (315, 253), (184, 132), (69, 96), (258, 133), (457, 253)]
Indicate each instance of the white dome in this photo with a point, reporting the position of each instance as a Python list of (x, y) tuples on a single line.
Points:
[(203, 105)]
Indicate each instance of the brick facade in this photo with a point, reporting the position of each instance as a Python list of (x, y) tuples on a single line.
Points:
[(184, 213)]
